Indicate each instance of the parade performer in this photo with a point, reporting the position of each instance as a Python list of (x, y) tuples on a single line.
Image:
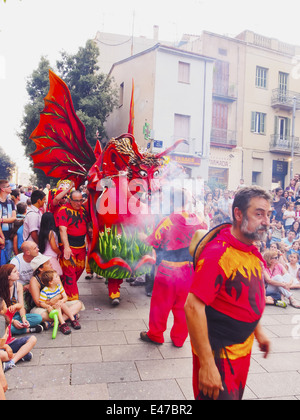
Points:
[(171, 240), (227, 299), (58, 196), (120, 178), (72, 220)]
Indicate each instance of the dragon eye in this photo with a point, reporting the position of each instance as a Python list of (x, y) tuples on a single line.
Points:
[(156, 174), (143, 174)]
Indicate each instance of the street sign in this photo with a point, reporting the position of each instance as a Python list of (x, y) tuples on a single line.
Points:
[(158, 144)]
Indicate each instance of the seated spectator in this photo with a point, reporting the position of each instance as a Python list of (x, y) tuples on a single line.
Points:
[(276, 246), (278, 279), (3, 337), (12, 293), (22, 261), (289, 240), (291, 186), (293, 270), (283, 258), (295, 249), (276, 231), (15, 349), (297, 211), (289, 216), (290, 198), (39, 265), (296, 228), (48, 241), (54, 291)]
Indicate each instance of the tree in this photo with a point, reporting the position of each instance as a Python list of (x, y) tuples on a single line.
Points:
[(6, 165), (93, 96)]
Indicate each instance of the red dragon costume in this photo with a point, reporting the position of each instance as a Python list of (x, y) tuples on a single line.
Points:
[(120, 181)]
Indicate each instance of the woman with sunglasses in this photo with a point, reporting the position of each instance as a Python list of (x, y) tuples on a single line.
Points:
[(278, 280)]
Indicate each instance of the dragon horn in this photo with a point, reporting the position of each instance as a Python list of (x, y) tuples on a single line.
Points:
[(98, 149), (170, 149)]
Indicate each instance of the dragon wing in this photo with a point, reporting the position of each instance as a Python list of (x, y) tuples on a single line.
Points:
[(62, 149)]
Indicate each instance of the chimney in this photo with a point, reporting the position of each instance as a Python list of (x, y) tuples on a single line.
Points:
[(155, 32)]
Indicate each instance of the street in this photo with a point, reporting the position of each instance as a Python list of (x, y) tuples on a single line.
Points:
[(106, 360)]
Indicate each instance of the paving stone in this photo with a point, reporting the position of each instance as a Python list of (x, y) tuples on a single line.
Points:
[(130, 352), (67, 392), (269, 385), (27, 376), (146, 390), (70, 355), (105, 372), (279, 362), (165, 369), (98, 338), (121, 325)]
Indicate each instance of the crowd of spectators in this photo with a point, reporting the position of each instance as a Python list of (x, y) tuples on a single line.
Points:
[(31, 274), (281, 249)]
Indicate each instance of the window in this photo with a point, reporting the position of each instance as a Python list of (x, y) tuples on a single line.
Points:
[(261, 77), (220, 115), (221, 78), (182, 130), (183, 72), (121, 94), (222, 51), (258, 122), (182, 126), (282, 127), (256, 178), (283, 82)]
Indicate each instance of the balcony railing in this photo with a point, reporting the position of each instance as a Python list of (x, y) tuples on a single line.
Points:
[(283, 98), (225, 92), (223, 138), (283, 144)]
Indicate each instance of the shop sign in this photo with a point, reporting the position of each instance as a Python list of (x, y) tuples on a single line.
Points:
[(186, 160)]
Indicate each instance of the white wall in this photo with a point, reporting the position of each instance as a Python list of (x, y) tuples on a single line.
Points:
[(193, 99)]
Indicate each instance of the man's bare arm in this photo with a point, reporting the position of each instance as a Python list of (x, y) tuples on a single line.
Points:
[(210, 382)]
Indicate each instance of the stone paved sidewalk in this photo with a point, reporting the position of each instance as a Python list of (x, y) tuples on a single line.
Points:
[(106, 360)]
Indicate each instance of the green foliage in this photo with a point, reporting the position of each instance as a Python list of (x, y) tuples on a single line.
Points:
[(92, 93), (6, 165)]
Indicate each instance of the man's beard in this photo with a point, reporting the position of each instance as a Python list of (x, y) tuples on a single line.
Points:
[(256, 235)]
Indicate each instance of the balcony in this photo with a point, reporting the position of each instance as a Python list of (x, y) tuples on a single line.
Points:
[(284, 145), (224, 92), (220, 137), (284, 99)]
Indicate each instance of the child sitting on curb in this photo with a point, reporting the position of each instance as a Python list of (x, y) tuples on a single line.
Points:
[(53, 289), (14, 349)]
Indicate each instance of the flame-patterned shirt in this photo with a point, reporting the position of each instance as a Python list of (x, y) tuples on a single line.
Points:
[(76, 223), (228, 278)]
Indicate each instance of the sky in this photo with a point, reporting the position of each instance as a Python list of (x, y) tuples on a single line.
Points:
[(32, 28)]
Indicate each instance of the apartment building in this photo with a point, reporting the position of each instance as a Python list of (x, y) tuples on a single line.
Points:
[(256, 108), (172, 100)]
